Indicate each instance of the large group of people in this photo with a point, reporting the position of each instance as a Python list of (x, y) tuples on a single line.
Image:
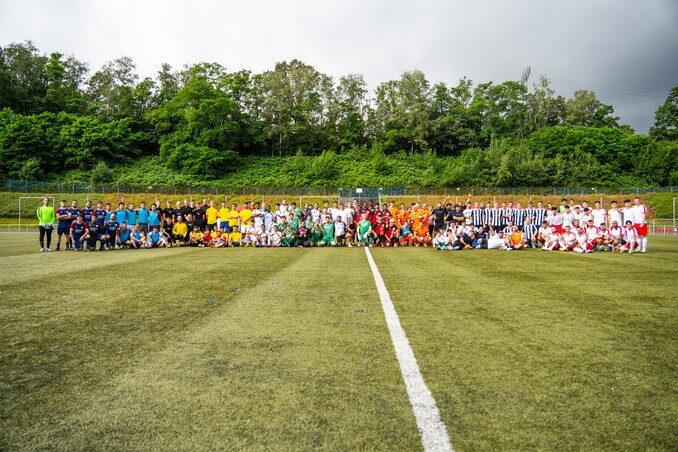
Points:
[(569, 226)]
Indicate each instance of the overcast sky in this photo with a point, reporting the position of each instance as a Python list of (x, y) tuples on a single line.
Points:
[(624, 50)]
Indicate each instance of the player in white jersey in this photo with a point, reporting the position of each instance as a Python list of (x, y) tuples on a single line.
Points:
[(568, 240), (582, 244), (630, 238), (593, 234), (556, 220), (274, 237), (614, 214), (315, 213), (586, 217), (468, 214), (251, 236), (568, 216), (552, 242), (495, 240), (578, 214), (627, 212), (258, 216), (605, 238), (616, 235), (543, 233), (598, 214), (640, 223)]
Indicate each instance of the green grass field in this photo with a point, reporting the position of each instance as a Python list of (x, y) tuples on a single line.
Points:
[(521, 350)]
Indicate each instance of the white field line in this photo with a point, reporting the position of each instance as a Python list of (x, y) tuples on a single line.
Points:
[(431, 428)]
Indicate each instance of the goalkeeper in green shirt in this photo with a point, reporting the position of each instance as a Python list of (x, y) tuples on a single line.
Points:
[(365, 233), (46, 218)]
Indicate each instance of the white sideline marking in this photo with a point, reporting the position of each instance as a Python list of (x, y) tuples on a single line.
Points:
[(432, 430)]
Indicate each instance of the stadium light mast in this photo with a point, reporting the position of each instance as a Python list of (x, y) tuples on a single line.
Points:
[(525, 76)]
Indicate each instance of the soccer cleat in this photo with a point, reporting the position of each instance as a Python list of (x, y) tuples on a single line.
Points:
[(349, 245), (631, 251), (42, 249)]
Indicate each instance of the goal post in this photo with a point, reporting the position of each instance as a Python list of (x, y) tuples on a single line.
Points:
[(25, 199)]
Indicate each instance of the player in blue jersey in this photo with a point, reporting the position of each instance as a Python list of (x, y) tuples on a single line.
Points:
[(87, 212), (111, 227), (131, 216), (109, 212), (78, 233), (124, 240), (137, 237), (63, 215), (143, 212), (74, 210), (154, 217), (156, 238), (121, 213), (100, 213)]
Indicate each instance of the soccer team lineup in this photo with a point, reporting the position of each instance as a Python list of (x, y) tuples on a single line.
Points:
[(570, 226)]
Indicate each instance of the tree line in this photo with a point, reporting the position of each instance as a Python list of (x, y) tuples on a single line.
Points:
[(205, 122)]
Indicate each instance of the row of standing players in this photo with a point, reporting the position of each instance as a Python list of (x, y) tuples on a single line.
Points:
[(389, 225)]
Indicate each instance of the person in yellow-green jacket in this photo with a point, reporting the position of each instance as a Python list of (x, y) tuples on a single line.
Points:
[(46, 218)]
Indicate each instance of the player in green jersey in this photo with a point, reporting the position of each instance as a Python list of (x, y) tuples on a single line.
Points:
[(46, 218), (317, 234), (328, 233), (365, 234)]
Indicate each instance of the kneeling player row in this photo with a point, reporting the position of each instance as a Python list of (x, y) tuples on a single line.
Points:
[(550, 238)]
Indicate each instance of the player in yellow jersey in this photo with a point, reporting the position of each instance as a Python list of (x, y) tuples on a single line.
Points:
[(212, 213), (195, 237), (180, 231), (223, 217), (234, 237), (245, 215)]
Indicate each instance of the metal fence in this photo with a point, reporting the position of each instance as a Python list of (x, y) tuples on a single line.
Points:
[(71, 188), (65, 188)]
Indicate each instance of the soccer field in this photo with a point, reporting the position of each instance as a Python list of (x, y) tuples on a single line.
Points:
[(288, 349)]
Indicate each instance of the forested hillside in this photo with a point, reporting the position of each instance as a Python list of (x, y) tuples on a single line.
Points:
[(294, 126)]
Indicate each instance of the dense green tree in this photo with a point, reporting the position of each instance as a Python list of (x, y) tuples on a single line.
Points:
[(666, 118), (352, 111), (28, 137), (203, 127), (584, 109), (292, 106), (403, 108), (85, 140), (543, 108), (110, 89), (65, 78), (23, 78)]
